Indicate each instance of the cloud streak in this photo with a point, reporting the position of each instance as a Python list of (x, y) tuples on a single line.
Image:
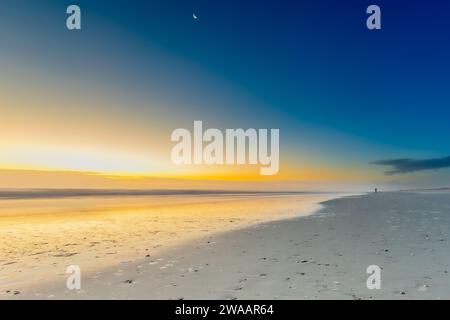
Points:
[(400, 166)]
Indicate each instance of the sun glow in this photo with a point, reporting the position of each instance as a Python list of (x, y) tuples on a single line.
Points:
[(40, 157)]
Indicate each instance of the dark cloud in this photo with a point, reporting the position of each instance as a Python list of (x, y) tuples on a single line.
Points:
[(410, 165)]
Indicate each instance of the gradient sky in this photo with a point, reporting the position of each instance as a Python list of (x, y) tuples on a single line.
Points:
[(106, 99)]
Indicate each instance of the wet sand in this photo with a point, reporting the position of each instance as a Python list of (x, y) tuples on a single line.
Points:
[(41, 237)]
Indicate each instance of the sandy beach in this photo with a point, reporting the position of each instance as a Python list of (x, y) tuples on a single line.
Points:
[(41, 236), (258, 247)]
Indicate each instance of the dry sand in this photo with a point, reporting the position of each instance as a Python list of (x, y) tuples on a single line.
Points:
[(320, 256)]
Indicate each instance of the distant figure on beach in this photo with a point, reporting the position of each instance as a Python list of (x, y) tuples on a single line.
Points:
[(376, 190)]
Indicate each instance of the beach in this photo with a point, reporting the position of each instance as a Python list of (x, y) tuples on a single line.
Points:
[(42, 233), (232, 247)]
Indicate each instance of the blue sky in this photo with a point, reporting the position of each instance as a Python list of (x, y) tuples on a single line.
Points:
[(341, 95)]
